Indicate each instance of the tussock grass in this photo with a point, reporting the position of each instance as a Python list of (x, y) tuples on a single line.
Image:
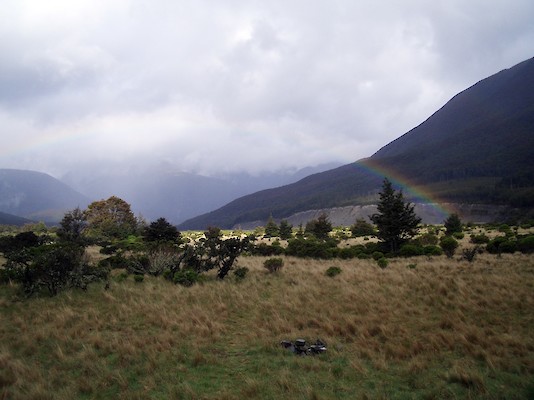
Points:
[(444, 329)]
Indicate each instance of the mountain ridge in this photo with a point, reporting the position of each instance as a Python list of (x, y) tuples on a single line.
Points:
[(476, 148)]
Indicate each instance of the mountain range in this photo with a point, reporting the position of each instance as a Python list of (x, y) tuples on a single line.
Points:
[(478, 148), (153, 191)]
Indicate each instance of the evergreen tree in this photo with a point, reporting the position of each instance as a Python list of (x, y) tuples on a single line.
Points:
[(162, 231), (396, 220), (286, 230), (453, 224), (271, 229), (320, 227)]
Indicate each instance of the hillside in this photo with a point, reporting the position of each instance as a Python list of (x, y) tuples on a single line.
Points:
[(36, 196), (162, 191), (10, 219), (476, 149)]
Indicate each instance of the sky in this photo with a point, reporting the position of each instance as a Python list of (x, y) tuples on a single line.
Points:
[(216, 86)]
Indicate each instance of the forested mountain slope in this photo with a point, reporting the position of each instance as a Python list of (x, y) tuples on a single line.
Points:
[(479, 147)]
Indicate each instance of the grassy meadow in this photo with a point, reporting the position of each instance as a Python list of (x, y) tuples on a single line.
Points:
[(423, 328)]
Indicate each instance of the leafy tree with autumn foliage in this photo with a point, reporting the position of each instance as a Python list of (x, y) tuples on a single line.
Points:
[(110, 219)]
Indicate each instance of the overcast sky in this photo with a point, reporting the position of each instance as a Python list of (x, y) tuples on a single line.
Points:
[(227, 85)]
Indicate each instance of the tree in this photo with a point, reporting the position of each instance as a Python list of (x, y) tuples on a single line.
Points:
[(286, 230), (162, 231), (396, 220), (320, 227), (111, 218), (362, 228), (271, 229), (72, 226), (453, 224)]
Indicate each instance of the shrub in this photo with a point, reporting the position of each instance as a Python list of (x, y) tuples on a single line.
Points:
[(377, 255), (479, 239), (240, 273), (470, 254), (382, 262), (427, 239), (312, 248), (139, 278), (263, 249), (333, 271), (54, 267), (362, 228), (526, 244), (449, 245), (501, 244), (273, 264), (432, 251), (411, 250), (186, 277), (458, 235)]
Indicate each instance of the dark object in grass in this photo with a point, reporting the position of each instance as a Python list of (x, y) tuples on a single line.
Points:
[(300, 348)]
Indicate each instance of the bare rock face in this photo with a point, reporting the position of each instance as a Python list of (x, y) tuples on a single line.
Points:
[(430, 214)]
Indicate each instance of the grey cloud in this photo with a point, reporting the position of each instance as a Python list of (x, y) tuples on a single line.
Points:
[(235, 84)]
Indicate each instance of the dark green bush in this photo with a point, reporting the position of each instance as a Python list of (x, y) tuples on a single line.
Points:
[(312, 248), (139, 278), (377, 255), (411, 250), (382, 262), (427, 239), (264, 249), (273, 264), (186, 277), (52, 267), (501, 244), (362, 228), (432, 251), (458, 235), (333, 271), (526, 244), (479, 239), (449, 245), (240, 273)]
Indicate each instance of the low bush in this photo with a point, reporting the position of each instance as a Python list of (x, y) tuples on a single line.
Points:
[(458, 235), (479, 239), (382, 262), (139, 278), (526, 244), (411, 250), (333, 271), (427, 239), (186, 277), (470, 254), (240, 273), (377, 255), (273, 264), (449, 245), (501, 244), (432, 251)]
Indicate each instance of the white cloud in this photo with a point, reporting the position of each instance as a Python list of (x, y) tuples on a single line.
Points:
[(233, 85)]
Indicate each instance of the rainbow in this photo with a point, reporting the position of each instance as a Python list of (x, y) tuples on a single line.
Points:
[(408, 186)]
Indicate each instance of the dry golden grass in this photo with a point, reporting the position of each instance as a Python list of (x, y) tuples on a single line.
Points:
[(444, 329)]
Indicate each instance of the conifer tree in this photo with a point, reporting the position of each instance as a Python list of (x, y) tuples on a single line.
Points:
[(271, 229), (396, 220)]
